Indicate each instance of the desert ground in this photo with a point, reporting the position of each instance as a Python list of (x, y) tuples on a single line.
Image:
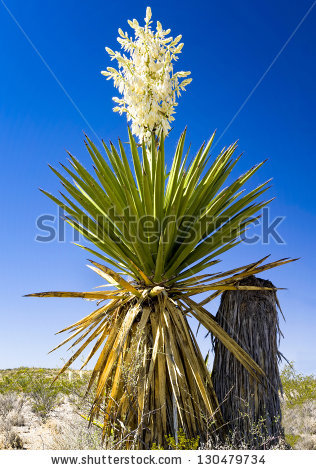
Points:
[(34, 414)]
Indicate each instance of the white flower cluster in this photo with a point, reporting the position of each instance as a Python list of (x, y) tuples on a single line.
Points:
[(146, 78)]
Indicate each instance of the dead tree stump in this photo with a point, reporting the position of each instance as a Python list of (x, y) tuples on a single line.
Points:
[(252, 410)]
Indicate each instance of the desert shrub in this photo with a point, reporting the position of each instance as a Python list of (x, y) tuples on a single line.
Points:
[(299, 420), (11, 409), (75, 391), (233, 441), (43, 395), (299, 408), (76, 386), (16, 418), (38, 386), (5, 383), (11, 440), (76, 435), (182, 443), (22, 379), (16, 380), (306, 443), (44, 400), (257, 435), (297, 388), (10, 403), (292, 439)]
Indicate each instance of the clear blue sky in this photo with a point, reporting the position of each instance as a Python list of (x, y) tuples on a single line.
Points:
[(228, 47)]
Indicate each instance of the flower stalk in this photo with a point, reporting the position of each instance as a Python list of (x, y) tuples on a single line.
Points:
[(146, 78)]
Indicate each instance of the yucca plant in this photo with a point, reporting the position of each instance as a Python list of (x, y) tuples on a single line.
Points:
[(161, 232), (195, 221)]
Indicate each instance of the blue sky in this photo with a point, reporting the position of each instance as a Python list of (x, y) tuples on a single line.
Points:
[(228, 47)]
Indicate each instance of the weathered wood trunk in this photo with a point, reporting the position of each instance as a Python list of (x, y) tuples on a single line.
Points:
[(252, 411)]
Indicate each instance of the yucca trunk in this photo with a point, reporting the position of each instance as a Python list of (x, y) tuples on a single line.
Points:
[(252, 410), (152, 379)]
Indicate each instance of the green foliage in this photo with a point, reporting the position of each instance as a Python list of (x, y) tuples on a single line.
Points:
[(25, 379), (197, 217), (155, 447), (44, 399), (16, 380), (297, 388), (38, 386), (292, 439), (183, 442)]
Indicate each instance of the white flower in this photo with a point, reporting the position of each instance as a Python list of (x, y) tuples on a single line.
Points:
[(145, 78)]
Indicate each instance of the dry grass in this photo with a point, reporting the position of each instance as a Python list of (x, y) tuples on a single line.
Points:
[(74, 434), (11, 406), (11, 416)]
